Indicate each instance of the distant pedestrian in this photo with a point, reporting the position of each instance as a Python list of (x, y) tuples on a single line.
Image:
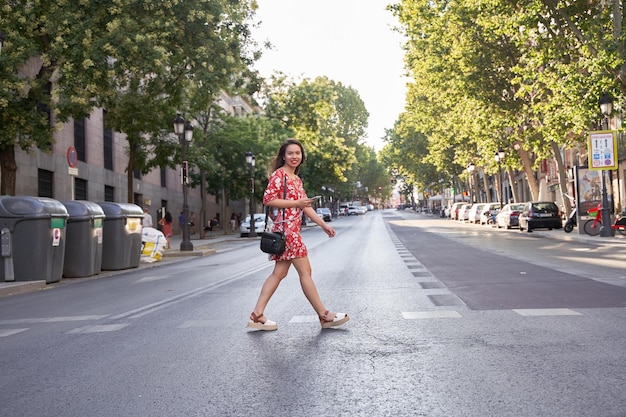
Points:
[(147, 218), (166, 227), (233, 222), (181, 223), (192, 223)]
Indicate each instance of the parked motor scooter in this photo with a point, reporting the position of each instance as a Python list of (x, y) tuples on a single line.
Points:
[(570, 222)]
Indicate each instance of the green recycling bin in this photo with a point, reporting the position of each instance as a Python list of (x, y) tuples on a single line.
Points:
[(83, 239), (121, 236), (32, 238)]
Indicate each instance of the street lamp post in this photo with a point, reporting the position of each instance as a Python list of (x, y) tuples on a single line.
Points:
[(184, 131), (499, 157), (606, 107), (250, 160), (470, 170)]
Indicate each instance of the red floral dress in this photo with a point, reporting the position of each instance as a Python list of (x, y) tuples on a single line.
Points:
[(294, 247)]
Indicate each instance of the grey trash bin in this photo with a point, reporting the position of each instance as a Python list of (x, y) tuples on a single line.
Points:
[(121, 236), (32, 239), (83, 239)]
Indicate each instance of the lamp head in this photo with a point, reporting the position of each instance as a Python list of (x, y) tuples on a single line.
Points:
[(249, 157), (179, 125), (188, 132), (606, 104)]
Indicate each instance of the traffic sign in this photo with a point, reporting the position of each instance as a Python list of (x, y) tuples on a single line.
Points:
[(602, 149)]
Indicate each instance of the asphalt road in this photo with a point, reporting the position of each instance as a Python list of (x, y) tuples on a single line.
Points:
[(448, 320)]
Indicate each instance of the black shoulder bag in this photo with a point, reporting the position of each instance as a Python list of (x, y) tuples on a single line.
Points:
[(274, 242)]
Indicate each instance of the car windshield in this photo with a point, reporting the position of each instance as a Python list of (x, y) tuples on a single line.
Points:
[(544, 208), (257, 217)]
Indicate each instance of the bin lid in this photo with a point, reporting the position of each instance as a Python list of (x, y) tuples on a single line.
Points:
[(120, 210), (30, 207), (83, 210)]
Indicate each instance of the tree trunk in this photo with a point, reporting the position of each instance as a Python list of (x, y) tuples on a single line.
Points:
[(528, 170), (486, 187), (562, 178), (130, 171), (514, 189), (8, 168), (203, 215)]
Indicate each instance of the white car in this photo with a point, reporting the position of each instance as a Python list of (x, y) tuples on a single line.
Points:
[(259, 225), (354, 210)]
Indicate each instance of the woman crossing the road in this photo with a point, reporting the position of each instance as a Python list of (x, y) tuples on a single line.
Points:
[(286, 167)]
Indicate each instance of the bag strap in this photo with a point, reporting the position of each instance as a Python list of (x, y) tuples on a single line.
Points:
[(267, 209)]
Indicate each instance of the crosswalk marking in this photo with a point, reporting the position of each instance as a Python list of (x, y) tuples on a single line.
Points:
[(98, 328), (547, 312), (304, 319), (436, 314)]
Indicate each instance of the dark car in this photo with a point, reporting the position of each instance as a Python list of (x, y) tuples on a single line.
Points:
[(324, 213), (539, 215)]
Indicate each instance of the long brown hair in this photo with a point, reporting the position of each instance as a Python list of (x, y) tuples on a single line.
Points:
[(279, 160)]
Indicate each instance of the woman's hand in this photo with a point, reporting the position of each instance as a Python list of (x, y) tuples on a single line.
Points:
[(304, 203), (329, 230)]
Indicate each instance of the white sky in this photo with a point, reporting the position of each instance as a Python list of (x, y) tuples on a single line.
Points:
[(348, 41)]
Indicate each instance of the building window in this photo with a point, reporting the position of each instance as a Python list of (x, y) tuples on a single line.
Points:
[(163, 177), (79, 139), (109, 193), (137, 174), (44, 183), (80, 189), (107, 141)]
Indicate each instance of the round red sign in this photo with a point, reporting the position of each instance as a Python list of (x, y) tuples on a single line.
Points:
[(72, 157)]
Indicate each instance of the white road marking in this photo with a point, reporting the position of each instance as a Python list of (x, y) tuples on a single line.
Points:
[(52, 319), (304, 319), (9, 332), (547, 312), (436, 314), (98, 328)]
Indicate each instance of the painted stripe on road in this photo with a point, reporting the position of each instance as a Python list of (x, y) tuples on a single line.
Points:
[(98, 328), (547, 312), (9, 332), (52, 319), (441, 314)]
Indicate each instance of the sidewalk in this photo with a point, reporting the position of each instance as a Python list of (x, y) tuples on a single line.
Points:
[(201, 247)]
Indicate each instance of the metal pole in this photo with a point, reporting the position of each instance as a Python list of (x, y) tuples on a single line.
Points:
[(186, 244), (605, 230), (252, 226)]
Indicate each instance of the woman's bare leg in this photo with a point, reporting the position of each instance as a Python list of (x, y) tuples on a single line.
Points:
[(269, 286), (303, 266)]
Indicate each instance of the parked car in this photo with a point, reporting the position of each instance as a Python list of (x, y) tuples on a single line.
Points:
[(474, 212), (454, 210), (259, 224), (354, 211), (540, 215), (464, 212), (508, 216), (324, 213), (489, 213)]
